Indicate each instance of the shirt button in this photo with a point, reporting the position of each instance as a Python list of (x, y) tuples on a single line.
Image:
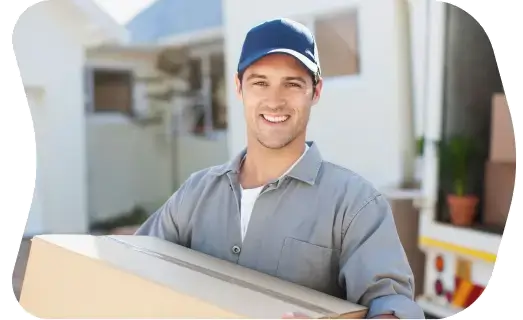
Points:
[(236, 250)]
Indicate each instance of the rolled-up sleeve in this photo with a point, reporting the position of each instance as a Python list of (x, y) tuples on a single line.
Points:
[(163, 223), (373, 267)]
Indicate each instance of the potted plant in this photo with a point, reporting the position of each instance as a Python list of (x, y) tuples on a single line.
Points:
[(418, 165), (457, 155)]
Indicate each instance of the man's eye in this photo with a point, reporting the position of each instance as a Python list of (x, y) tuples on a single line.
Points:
[(295, 85), (260, 83)]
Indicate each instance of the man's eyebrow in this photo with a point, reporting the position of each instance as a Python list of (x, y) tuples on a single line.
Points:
[(292, 78), (299, 79), (256, 76)]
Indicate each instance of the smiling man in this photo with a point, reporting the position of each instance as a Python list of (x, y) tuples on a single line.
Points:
[(278, 207)]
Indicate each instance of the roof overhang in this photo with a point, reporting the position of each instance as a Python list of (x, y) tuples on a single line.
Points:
[(194, 37), (103, 28)]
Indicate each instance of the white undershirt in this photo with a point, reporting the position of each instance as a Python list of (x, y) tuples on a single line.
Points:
[(249, 196)]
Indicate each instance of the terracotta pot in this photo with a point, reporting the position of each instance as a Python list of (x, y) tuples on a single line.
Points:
[(462, 209)]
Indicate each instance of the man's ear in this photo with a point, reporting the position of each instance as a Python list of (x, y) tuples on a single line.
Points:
[(238, 86), (317, 91)]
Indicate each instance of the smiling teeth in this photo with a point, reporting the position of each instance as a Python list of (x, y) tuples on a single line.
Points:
[(275, 119)]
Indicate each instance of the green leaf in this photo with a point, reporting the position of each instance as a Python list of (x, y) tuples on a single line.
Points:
[(420, 144), (457, 155)]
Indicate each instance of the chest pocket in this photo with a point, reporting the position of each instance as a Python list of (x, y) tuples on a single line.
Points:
[(309, 265)]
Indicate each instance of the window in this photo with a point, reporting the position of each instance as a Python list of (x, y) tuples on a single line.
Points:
[(337, 40), (195, 74), (219, 94), (207, 80), (112, 91)]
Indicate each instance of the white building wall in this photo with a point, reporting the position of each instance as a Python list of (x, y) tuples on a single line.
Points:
[(50, 61), (133, 165)]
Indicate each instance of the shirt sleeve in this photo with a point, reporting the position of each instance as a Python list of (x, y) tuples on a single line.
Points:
[(163, 223), (373, 267)]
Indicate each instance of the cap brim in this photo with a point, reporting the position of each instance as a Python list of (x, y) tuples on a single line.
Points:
[(300, 57)]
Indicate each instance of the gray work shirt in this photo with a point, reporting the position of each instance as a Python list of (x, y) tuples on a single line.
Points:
[(320, 226)]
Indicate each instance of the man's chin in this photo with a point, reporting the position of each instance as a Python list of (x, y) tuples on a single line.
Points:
[(274, 145)]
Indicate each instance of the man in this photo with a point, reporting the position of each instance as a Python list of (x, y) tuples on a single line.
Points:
[(278, 207)]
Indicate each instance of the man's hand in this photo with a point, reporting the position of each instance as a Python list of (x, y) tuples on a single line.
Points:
[(295, 315)]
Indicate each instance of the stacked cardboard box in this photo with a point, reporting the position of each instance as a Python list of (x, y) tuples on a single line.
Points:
[(85, 276), (500, 169)]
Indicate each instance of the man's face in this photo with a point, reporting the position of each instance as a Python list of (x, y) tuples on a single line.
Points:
[(277, 94)]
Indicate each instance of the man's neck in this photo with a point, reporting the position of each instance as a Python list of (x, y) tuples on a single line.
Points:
[(263, 165)]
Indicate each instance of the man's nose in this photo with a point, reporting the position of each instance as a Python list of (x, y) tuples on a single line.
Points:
[(275, 99)]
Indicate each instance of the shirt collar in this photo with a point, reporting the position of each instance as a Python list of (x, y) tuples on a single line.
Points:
[(306, 170)]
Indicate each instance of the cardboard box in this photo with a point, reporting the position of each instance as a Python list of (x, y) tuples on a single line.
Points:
[(407, 218), (499, 189), (502, 143), (85, 276)]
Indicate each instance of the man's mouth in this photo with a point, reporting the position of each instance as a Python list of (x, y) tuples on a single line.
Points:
[(275, 119)]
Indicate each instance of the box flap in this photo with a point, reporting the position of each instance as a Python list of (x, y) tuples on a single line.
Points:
[(174, 266)]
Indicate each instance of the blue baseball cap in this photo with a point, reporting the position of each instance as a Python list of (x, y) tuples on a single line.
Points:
[(280, 36)]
